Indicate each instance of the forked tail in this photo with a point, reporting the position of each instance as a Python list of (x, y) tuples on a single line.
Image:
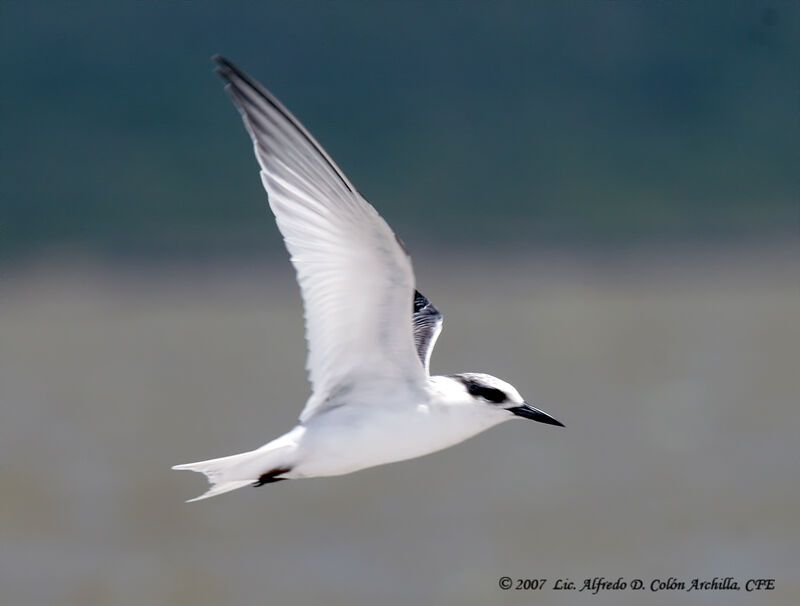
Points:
[(252, 468)]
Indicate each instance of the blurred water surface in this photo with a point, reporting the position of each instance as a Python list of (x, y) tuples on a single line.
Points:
[(676, 377)]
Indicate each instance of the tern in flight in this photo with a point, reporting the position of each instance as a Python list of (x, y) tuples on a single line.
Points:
[(370, 333)]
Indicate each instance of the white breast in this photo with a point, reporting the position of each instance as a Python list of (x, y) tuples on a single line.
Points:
[(349, 438)]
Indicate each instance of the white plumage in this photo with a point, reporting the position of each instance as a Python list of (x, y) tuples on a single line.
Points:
[(369, 333)]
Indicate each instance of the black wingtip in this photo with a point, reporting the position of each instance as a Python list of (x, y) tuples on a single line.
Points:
[(226, 70), (223, 67), (236, 78), (220, 60)]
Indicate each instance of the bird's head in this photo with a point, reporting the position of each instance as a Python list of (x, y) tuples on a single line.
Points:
[(499, 397)]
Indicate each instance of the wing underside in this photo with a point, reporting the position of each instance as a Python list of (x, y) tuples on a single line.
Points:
[(354, 276)]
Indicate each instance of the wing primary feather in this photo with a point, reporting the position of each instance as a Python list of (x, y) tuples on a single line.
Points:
[(225, 69), (427, 324), (354, 275)]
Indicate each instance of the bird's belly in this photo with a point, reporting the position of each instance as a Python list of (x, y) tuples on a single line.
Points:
[(336, 444)]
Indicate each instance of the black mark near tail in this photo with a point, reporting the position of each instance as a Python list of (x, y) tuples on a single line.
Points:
[(271, 477)]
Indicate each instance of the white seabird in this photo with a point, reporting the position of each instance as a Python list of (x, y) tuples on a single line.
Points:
[(370, 333)]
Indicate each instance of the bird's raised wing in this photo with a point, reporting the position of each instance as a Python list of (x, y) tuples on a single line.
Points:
[(355, 278), (427, 321)]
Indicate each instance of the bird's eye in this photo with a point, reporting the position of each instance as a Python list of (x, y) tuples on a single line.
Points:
[(490, 394)]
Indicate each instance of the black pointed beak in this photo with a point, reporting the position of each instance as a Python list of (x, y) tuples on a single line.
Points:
[(529, 412)]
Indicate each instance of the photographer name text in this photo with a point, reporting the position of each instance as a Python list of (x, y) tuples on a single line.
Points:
[(596, 585)]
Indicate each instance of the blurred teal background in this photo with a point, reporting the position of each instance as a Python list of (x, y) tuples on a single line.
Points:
[(601, 123), (602, 199)]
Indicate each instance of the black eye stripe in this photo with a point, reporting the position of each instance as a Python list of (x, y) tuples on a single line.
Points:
[(476, 387), (487, 393)]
